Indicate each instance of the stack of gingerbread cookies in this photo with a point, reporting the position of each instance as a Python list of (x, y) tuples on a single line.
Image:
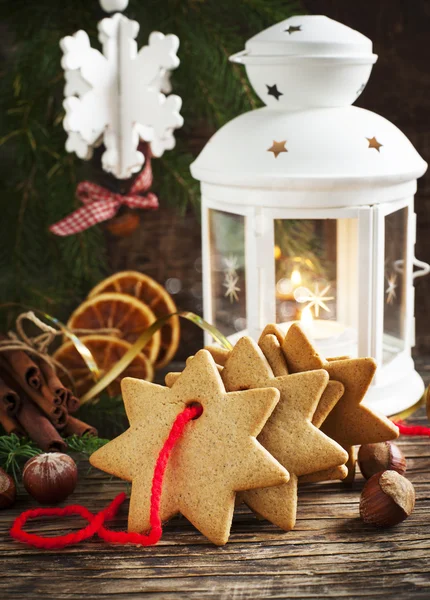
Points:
[(274, 414)]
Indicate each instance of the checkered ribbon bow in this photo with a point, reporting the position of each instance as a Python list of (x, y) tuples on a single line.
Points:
[(100, 204)]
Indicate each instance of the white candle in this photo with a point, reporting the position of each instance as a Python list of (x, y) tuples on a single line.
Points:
[(331, 338)]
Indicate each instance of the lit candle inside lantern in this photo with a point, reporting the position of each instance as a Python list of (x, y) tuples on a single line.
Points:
[(331, 338), (307, 321), (296, 278)]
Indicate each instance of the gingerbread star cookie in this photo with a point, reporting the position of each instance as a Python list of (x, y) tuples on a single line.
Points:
[(270, 343), (217, 455), (288, 434), (350, 422)]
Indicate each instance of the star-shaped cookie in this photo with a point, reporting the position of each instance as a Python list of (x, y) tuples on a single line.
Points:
[(272, 350), (288, 434), (350, 422), (217, 455), (270, 343)]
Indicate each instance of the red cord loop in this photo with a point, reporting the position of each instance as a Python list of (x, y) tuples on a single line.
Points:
[(412, 430), (96, 521)]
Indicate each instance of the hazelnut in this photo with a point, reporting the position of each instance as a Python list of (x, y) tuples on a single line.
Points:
[(373, 458), (387, 499), (7, 490), (50, 477)]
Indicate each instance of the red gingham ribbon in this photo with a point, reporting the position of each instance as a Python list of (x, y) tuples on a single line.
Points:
[(100, 204)]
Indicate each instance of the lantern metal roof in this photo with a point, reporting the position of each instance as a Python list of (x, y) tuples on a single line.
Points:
[(308, 70), (310, 35)]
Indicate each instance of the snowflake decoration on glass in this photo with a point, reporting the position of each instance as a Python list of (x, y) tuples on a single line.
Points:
[(317, 299), (117, 97), (391, 289), (231, 278), (231, 264), (230, 283)]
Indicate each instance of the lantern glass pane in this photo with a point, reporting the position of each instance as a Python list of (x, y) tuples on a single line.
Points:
[(396, 225), (316, 266), (228, 273)]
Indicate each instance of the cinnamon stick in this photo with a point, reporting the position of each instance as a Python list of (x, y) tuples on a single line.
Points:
[(8, 422), (21, 363), (61, 418), (9, 399), (72, 403), (39, 428), (53, 382), (76, 427), (49, 395), (62, 395), (43, 397)]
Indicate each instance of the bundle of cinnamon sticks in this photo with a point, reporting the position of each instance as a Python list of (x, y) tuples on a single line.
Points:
[(34, 402)]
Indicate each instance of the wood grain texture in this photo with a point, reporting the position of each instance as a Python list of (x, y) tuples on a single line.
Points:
[(330, 553)]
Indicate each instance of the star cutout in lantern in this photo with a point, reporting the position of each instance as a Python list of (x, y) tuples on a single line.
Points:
[(272, 90), (293, 28), (317, 299), (217, 455), (230, 283), (391, 289), (231, 264), (289, 434), (373, 143), (277, 148)]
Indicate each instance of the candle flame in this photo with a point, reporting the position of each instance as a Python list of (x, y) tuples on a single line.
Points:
[(296, 278), (306, 318)]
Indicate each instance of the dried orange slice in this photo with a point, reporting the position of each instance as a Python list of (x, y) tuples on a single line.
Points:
[(128, 315), (107, 351), (155, 296)]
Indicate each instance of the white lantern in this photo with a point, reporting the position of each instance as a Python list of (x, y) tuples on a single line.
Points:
[(308, 207)]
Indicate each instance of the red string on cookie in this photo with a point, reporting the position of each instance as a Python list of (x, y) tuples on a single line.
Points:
[(412, 430), (96, 521)]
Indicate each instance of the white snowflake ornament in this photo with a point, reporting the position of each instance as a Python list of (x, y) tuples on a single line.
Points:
[(118, 96), (111, 5)]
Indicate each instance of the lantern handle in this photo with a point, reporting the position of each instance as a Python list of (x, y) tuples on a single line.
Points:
[(238, 57), (424, 270)]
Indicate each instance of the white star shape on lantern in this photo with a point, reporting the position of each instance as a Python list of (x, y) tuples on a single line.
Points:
[(230, 283), (317, 299), (391, 289), (231, 264)]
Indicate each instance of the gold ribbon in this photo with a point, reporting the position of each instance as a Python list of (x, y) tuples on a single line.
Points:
[(141, 342), (79, 345), (102, 382), (49, 331)]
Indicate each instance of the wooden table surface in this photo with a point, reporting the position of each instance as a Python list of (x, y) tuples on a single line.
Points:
[(330, 553)]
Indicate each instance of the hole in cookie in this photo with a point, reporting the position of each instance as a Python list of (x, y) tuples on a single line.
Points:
[(199, 407)]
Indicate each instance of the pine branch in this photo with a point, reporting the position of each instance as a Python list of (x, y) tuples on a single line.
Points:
[(85, 445), (39, 178), (14, 453)]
